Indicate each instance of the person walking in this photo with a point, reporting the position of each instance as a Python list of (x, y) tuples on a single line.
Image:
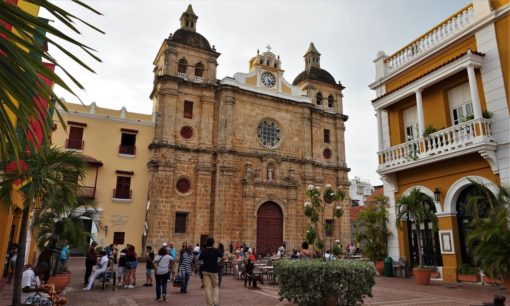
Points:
[(64, 256), (149, 266), (131, 263), (186, 266), (90, 262), (162, 264), (121, 268), (221, 263), (172, 251), (210, 257)]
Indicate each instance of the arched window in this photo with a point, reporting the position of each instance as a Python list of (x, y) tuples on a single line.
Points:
[(430, 240), (182, 66), (199, 70), (330, 101), (318, 96), (465, 216)]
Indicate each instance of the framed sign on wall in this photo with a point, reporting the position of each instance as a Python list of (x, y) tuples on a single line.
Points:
[(446, 242)]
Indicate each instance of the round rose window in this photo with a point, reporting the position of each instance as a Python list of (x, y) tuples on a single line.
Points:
[(269, 133), (326, 153), (186, 132), (183, 185)]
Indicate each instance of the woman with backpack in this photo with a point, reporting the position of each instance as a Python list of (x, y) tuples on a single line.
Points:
[(162, 264)]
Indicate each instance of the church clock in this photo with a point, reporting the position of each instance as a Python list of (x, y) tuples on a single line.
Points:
[(267, 79)]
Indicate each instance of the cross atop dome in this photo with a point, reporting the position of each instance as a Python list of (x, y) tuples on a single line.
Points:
[(268, 47)]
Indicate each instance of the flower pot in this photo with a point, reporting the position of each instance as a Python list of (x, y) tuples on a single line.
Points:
[(422, 276), (495, 281), (468, 278), (379, 267), (60, 280)]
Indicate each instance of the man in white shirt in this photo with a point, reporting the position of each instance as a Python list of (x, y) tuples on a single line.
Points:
[(100, 268), (31, 285)]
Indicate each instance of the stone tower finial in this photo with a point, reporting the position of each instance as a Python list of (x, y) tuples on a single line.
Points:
[(312, 57), (189, 19)]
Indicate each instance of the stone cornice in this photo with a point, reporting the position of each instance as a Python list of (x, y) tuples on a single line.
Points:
[(182, 148)]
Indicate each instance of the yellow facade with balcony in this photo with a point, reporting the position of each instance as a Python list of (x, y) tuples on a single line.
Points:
[(115, 145), (443, 118)]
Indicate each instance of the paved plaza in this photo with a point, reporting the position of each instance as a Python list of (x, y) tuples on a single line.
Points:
[(387, 291)]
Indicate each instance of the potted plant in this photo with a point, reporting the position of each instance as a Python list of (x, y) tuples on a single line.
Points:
[(60, 224), (488, 241), (311, 282), (374, 233), (415, 206), (468, 273)]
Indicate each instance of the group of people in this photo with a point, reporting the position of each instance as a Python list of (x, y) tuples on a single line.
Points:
[(162, 266)]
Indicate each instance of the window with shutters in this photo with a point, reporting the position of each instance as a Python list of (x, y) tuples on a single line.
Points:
[(188, 109), (180, 222), (123, 188), (127, 144), (461, 107), (329, 227), (326, 136), (75, 140), (118, 237)]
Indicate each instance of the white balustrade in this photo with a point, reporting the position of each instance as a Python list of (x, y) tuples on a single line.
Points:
[(182, 75), (432, 38), (198, 79), (449, 140)]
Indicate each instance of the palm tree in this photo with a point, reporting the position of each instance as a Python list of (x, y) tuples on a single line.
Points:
[(373, 229), (22, 89), (49, 170), (489, 241), (62, 219), (415, 206)]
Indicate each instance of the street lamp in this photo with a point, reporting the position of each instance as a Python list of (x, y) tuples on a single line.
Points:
[(437, 195)]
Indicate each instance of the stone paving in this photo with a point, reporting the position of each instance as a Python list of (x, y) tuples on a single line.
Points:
[(387, 291)]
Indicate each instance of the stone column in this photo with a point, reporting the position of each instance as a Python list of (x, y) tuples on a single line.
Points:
[(206, 122), (473, 88), (421, 119), (167, 100), (225, 122), (379, 130)]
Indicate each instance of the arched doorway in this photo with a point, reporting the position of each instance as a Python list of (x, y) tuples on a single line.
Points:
[(269, 228), (430, 240), (464, 218)]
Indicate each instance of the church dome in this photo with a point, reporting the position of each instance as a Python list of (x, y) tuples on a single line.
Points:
[(192, 39), (316, 74)]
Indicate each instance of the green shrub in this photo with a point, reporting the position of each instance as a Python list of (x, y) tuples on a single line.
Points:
[(307, 281), (467, 270)]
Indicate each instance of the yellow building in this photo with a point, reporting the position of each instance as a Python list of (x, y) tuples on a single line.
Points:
[(115, 144), (443, 118)]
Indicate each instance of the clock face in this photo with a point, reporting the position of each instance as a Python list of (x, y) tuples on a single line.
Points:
[(267, 79)]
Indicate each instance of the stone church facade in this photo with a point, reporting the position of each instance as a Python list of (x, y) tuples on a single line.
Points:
[(232, 158)]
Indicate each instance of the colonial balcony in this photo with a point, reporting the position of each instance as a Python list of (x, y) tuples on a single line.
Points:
[(122, 194), (469, 137), (87, 192), (127, 150), (74, 144), (436, 37)]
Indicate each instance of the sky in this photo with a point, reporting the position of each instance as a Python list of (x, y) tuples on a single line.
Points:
[(348, 34)]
